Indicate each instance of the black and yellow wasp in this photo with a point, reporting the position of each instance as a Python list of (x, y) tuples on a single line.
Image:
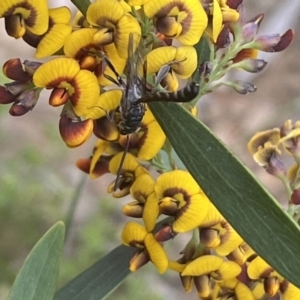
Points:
[(136, 92)]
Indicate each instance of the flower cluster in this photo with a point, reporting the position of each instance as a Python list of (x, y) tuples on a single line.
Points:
[(112, 59), (216, 260), (265, 147)]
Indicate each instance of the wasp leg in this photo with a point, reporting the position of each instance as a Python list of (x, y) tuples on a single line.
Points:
[(119, 175)]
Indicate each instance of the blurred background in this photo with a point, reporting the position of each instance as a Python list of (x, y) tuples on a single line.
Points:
[(38, 177)]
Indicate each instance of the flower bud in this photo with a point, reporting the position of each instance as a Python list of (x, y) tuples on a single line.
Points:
[(165, 234), (16, 88), (59, 96), (285, 40), (252, 65), (138, 260), (249, 31), (133, 209), (15, 25), (187, 282), (88, 63), (18, 110), (266, 43), (210, 237), (234, 3), (257, 19), (243, 87), (29, 98), (168, 26), (271, 286), (31, 66), (13, 69), (5, 96), (202, 284), (295, 198), (223, 39)]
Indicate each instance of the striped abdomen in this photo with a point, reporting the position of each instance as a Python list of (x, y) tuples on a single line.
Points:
[(186, 94)]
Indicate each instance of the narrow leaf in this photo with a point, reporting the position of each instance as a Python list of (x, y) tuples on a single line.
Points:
[(203, 53), (82, 5), (37, 278), (242, 200), (101, 278)]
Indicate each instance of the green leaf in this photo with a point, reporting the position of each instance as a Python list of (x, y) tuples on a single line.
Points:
[(37, 278), (82, 5), (241, 199), (203, 50), (203, 54), (101, 278)]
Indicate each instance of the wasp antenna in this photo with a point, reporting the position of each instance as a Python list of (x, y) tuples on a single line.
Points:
[(111, 66), (112, 79), (117, 182)]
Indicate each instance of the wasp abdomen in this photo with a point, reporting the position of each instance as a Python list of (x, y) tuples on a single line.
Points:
[(186, 94)]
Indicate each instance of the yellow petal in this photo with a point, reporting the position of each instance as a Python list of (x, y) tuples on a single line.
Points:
[(176, 180), (151, 212), (176, 266), (212, 218), (142, 188), (160, 57), (33, 12), (60, 15), (129, 165), (52, 73), (258, 268), (137, 2), (152, 139), (192, 214), (170, 82), (187, 61), (107, 102), (203, 265), (217, 20), (75, 134), (230, 240), (228, 270), (53, 40), (86, 92), (40, 16), (79, 40), (125, 5), (195, 23), (260, 138), (98, 151), (258, 290), (133, 233), (102, 12), (133, 209), (190, 15), (243, 292), (118, 63), (157, 254), (126, 25), (290, 292)]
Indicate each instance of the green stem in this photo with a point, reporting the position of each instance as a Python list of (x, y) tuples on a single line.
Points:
[(74, 202)]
